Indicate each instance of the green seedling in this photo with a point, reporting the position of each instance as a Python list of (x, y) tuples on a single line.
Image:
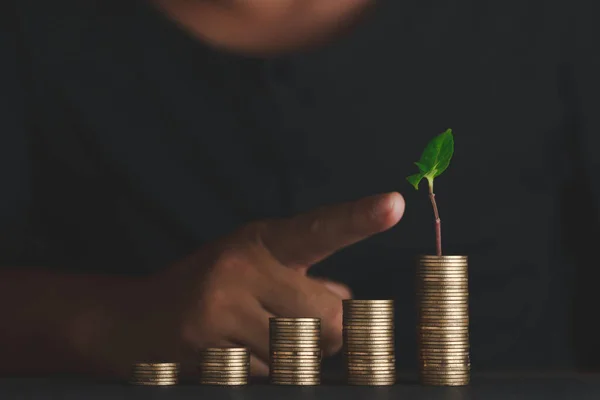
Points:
[(434, 161)]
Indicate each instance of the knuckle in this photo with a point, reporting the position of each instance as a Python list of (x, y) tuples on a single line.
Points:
[(232, 262)]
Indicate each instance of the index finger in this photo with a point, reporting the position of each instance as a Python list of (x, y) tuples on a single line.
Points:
[(309, 238)]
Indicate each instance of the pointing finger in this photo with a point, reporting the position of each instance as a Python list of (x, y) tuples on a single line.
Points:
[(308, 238)]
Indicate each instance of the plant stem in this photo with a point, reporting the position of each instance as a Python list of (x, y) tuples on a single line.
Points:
[(438, 223)]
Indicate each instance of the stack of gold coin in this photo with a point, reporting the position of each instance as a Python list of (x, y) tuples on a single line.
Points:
[(155, 374), (295, 351), (369, 352), (443, 320), (224, 366)]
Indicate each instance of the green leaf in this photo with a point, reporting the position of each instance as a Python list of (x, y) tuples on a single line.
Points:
[(415, 179), (435, 159)]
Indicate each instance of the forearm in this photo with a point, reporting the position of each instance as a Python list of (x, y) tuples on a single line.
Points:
[(58, 323)]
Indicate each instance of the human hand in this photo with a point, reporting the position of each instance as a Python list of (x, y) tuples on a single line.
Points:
[(264, 27), (224, 294)]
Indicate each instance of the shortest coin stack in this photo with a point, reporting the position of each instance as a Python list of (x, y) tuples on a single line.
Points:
[(228, 366), (369, 350), (155, 374), (295, 347)]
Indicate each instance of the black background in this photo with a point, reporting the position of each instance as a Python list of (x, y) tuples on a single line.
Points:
[(142, 188)]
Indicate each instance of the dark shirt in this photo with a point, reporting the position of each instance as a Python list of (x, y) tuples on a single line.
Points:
[(126, 145)]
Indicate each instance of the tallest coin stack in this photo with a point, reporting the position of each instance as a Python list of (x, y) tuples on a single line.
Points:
[(443, 320)]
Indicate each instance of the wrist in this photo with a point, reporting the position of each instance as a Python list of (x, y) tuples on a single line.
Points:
[(103, 331)]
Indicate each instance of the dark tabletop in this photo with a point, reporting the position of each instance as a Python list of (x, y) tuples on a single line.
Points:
[(484, 387)]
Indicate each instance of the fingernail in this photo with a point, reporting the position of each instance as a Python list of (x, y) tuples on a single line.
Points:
[(340, 290)]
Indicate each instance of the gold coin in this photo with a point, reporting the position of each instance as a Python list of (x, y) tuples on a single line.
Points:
[(371, 332), (444, 311), (296, 339), (224, 350), (443, 319), (155, 373), (424, 345), (445, 301), (442, 279), (294, 376), (444, 354), (372, 353), (294, 361), (370, 369), (370, 347), (444, 362), (444, 334), (431, 294), (154, 380), (443, 290), (370, 358), (367, 308), (424, 285), (450, 276), (369, 323), (295, 333), (224, 363), (371, 338), (295, 321), (223, 372), (287, 358), (356, 364), (445, 322), (221, 376), (443, 270), (445, 373), (388, 328), (224, 357), (431, 302), (297, 353), (296, 343), (444, 381), (155, 369), (366, 381), (293, 347), (295, 328), (462, 368), (227, 382), (437, 297), (456, 383), (447, 327), (442, 266), (310, 382), (375, 373), (156, 365), (312, 367), (365, 303)]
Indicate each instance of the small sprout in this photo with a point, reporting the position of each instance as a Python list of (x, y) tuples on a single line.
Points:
[(434, 161)]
